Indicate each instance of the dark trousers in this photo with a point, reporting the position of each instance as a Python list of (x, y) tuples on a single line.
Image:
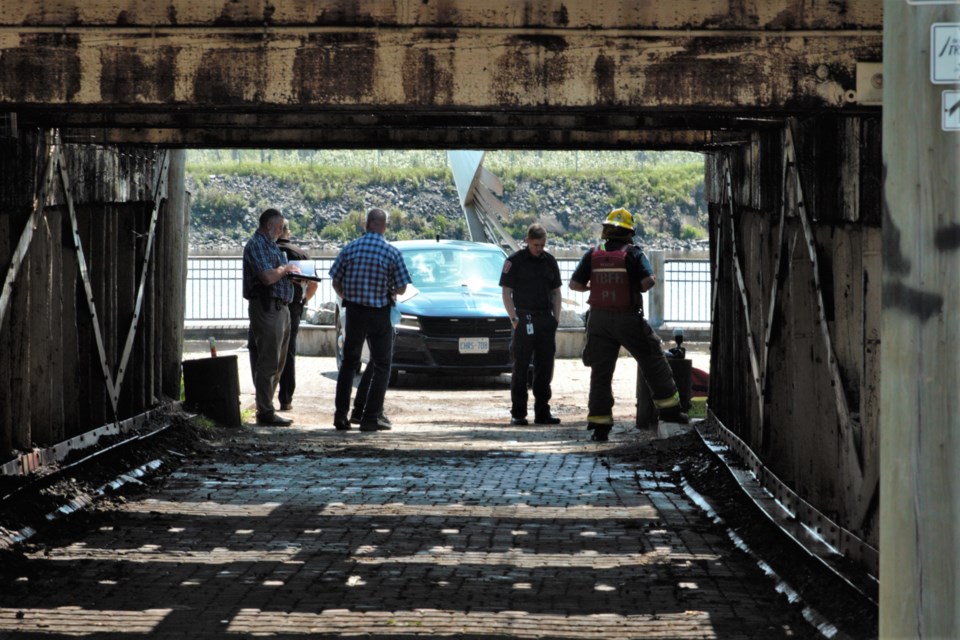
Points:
[(363, 388), (607, 331), (542, 348), (288, 377), (373, 326)]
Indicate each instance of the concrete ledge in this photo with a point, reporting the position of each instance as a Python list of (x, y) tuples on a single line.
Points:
[(317, 340), (321, 340)]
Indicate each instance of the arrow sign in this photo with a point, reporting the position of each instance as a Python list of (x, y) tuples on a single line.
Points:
[(951, 111)]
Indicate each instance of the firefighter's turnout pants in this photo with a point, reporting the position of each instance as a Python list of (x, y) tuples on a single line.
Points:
[(607, 331)]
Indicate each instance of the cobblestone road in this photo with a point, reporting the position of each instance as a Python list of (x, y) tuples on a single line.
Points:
[(454, 526)]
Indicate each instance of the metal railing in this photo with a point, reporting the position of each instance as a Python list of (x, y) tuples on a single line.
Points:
[(687, 292), (215, 290)]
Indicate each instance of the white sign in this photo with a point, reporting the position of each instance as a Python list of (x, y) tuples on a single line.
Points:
[(922, 2), (945, 53), (951, 111)]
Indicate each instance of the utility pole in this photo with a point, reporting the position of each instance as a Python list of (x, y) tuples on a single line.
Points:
[(920, 354)]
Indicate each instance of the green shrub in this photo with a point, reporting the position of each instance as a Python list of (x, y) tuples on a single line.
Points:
[(688, 232)]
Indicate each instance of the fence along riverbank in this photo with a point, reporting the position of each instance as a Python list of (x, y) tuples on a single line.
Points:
[(681, 299)]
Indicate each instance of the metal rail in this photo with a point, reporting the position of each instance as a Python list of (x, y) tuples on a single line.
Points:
[(817, 534), (214, 290)]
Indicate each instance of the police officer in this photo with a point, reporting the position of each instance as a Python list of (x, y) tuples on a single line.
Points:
[(303, 291), (615, 273), (531, 283)]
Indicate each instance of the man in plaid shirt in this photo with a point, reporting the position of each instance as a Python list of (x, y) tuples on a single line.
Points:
[(269, 291), (367, 275)]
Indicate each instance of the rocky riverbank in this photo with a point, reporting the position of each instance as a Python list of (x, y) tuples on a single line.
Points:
[(225, 209)]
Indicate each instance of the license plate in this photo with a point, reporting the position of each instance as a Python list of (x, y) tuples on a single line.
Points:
[(474, 345)]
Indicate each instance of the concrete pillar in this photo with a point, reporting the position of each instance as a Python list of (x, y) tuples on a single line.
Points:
[(920, 397), (654, 302)]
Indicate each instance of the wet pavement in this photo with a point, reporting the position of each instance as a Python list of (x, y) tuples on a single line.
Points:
[(454, 524)]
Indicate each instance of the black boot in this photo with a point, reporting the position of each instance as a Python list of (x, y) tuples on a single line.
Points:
[(601, 432), (674, 414)]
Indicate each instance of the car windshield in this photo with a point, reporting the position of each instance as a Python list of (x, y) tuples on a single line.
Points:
[(449, 267)]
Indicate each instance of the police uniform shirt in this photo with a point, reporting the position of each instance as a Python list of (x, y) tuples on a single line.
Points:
[(532, 280)]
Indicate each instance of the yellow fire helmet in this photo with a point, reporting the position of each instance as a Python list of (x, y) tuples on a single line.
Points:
[(620, 218)]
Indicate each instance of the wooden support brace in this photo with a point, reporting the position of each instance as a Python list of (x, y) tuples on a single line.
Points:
[(85, 276), (742, 288), (159, 194), (849, 427), (23, 245), (774, 289)]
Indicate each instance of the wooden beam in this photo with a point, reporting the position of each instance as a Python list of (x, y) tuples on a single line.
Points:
[(920, 403), (329, 136), (245, 67), (503, 14)]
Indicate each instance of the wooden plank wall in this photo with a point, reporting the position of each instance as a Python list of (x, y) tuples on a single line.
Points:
[(51, 381), (800, 436)]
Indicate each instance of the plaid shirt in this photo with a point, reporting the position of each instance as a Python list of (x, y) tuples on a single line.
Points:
[(369, 269), (259, 254)]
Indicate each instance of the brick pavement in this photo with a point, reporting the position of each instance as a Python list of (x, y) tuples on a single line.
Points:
[(456, 527)]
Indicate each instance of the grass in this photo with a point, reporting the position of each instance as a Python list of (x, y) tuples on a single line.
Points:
[(698, 407), (662, 189)]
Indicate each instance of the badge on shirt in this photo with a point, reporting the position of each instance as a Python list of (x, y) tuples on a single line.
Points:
[(506, 266)]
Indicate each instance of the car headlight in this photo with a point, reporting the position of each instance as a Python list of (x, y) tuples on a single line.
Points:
[(410, 322)]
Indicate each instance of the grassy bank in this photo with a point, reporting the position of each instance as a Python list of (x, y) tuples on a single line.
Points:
[(325, 193)]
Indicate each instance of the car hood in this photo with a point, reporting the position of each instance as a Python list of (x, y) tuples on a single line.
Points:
[(462, 301)]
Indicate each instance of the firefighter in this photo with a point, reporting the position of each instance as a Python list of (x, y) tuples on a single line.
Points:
[(615, 273)]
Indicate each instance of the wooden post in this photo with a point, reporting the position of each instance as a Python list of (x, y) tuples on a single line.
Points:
[(174, 266), (920, 353), (73, 307), (126, 274), (38, 314)]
